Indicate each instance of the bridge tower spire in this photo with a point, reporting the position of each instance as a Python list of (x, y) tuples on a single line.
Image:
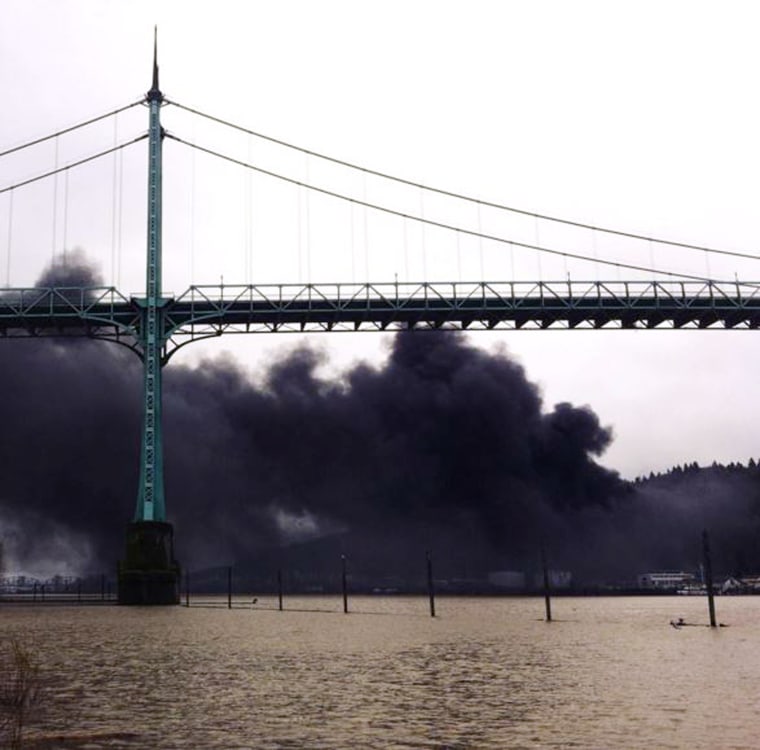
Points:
[(150, 501), (149, 574)]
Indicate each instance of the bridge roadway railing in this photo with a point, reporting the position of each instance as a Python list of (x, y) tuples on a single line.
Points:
[(77, 311), (203, 311)]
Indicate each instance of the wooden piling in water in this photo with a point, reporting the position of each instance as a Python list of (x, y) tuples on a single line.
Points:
[(431, 590), (187, 588), (708, 577), (279, 589), (229, 587), (345, 584), (547, 593)]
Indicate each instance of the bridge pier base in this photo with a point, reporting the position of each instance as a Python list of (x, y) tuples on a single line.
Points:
[(149, 574)]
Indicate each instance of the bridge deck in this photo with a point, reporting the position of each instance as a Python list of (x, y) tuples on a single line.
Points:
[(206, 311)]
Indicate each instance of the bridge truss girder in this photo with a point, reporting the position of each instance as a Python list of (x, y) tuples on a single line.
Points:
[(207, 311)]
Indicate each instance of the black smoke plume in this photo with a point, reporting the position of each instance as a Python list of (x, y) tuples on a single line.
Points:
[(70, 270), (443, 447)]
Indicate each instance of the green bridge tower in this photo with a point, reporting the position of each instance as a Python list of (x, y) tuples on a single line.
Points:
[(149, 574)]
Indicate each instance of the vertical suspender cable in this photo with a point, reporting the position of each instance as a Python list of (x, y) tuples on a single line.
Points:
[(538, 255), (192, 213), (256, 225), (10, 239), (406, 248), (480, 244), (65, 215), (113, 199), (119, 234), (249, 220), (353, 244), (246, 204), (397, 250), (424, 247), (366, 229), (55, 203), (308, 226), (459, 256), (511, 261), (300, 190), (564, 264)]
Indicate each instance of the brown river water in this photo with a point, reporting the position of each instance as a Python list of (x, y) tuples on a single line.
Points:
[(485, 673)]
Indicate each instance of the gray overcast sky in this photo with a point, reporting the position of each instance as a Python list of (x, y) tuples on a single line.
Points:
[(637, 115)]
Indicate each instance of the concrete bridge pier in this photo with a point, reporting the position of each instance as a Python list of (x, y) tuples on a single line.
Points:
[(149, 574)]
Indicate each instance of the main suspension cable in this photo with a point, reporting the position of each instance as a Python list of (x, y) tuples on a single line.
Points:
[(430, 222), (72, 128), (468, 198), (73, 164)]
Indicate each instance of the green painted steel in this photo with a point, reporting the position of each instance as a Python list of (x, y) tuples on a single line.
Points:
[(151, 505), (206, 311)]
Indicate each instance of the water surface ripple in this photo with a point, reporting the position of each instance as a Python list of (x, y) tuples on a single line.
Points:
[(486, 673)]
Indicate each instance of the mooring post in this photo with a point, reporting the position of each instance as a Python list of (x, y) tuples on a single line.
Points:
[(279, 589), (187, 588), (229, 587), (345, 586), (708, 577), (431, 590), (547, 594)]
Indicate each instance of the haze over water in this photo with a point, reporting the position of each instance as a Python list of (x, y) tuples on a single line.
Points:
[(485, 673)]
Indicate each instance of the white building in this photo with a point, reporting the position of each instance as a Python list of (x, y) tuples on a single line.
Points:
[(666, 579)]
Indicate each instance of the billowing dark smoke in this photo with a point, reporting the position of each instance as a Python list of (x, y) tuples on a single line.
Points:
[(444, 444), (445, 447), (72, 269)]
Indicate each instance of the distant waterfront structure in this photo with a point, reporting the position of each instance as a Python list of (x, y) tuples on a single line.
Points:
[(515, 580), (742, 585), (667, 579), (507, 579), (558, 579), (21, 583)]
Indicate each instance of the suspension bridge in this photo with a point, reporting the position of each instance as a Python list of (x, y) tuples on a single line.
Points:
[(155, 325)]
